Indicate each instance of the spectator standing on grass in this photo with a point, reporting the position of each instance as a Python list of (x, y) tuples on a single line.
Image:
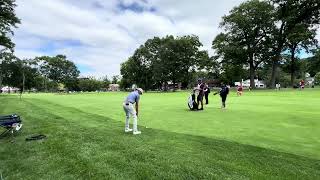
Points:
[(200, 87), (128, 106), (224, 91), (240, 90), (302, 84), (206, 92)]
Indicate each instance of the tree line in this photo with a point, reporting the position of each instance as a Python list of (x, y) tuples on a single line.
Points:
[(48, 74), (161, 60), (259, 39), (45, 73)]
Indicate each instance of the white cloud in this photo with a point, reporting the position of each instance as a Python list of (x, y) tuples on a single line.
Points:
[(105, 35)]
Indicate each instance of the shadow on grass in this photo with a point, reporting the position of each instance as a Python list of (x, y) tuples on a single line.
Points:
[(83, 145)]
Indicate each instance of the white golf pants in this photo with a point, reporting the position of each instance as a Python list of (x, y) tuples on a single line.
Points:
[(130, 111)]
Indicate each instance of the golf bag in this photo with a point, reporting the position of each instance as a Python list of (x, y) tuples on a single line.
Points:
[(10, 123), (193, 105)]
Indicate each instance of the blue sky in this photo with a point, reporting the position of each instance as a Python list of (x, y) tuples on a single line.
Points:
[(98, 35)]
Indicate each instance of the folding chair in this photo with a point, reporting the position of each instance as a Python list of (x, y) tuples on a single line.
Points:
[(10, 123)]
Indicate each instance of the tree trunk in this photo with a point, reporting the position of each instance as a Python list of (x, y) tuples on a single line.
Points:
[(45, 84), (174, 85), (275, 60), (1, 80), (1, 77), (165, 86), (274, 72), (23, 82), (252, 73), (292, 68)]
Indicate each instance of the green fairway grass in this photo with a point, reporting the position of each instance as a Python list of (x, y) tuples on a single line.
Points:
[(261, 135)]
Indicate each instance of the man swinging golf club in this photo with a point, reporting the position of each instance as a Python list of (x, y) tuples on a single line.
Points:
[(132, 98)]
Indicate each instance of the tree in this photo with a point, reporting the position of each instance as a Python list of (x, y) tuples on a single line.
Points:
[(314, 63), (115, 79), (247, 35), (29, 74), (20, 73), (90, 84), (60, 70), (317, 78), (181, 56), (289, 15), (105, 81), (10, 70), (163, 60), (5, 58), (233, 73), (8, 20), (300, 38), (211, 66), (127, 72)]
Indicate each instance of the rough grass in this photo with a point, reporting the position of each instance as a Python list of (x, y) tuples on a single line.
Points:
[(262, 135)]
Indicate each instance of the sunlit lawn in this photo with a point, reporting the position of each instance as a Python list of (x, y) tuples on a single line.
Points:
[(261, 135)]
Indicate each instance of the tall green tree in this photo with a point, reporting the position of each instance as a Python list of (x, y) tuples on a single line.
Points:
[(90, 84), (19, 73), (247, 35), (60, 70), (163, 60), (300, 38), (115, 79), (8, 21), (5, 57), (105, 81), (317, 78), (181, 56), (313, 66), (290, 14)]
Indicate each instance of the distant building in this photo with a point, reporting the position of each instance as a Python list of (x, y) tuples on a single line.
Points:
[(114, 87), (246, 84)]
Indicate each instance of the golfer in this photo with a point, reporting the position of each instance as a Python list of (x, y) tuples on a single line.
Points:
[(224, 91), (133, 98)]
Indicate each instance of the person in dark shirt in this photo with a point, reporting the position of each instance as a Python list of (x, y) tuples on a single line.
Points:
[(201, 93), (206, 93), (224, 91)]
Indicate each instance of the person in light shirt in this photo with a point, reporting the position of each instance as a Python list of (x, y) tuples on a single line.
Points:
[(131, 108)]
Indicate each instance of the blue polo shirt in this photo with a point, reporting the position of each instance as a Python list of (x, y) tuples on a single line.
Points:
[(133, 97)]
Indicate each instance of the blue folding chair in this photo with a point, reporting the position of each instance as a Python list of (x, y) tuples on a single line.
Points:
[(10, 123)]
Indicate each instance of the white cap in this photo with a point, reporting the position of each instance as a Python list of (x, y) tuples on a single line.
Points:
[(140, 90)]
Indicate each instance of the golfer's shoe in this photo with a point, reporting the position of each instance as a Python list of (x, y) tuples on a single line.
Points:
[(128, 130), (136, 132)]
